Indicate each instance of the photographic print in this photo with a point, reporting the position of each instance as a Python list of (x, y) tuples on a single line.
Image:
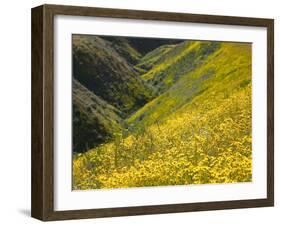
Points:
[(160, 112), (147, 112)]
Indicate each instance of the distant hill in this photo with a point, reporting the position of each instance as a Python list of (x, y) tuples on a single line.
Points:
[(153, 58), (124, 48), (196, 70), (146, 45), (174, 62)]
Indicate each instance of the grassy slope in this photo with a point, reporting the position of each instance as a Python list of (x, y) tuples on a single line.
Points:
[(152, 58), (99, 67), (104, 65), (94, 120), (146, 45), (124, 48), (198, 131), (180, 60), (175, 67)]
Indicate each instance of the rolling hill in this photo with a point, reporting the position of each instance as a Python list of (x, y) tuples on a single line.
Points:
[(101, 69), (104, 68), (152, 58), (123, 47), (178, 61), (212, 73)]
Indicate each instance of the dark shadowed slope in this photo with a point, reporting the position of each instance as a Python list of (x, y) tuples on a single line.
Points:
[(123, 47), (94, 120), (100, 68), (134, 48), (145, 45)]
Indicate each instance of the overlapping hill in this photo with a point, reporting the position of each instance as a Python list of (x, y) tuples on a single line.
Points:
[(104, 68), (196, 70), (173, 62)]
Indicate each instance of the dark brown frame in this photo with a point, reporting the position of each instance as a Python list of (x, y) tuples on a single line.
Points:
[(42, 203)]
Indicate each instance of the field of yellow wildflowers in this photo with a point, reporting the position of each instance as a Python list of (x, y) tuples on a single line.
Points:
[(197, 130)]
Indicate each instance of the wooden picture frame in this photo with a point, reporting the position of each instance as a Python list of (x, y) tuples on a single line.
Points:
[(42, 203)]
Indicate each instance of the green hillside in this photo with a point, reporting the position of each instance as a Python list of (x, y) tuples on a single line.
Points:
[(152, 58), (105, 76), (180, 60), (123, 47), (101, 69), (197, 130), (214, 74), (146, 45)]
